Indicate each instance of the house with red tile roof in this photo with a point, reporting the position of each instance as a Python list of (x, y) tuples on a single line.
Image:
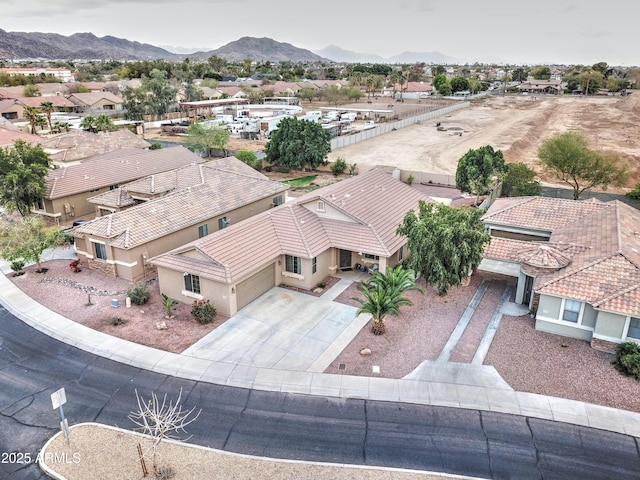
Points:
[(68, 188), (298, 243), (163, 211), (577, 264)]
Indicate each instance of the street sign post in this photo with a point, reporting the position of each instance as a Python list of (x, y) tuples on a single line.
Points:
[(58, 399)]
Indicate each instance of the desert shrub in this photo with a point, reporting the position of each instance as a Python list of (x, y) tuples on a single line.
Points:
[(115, 321), (410, 180), (155, 146), (17, 265), (635, 193), (628, 359), (339, 166), (139, 293), (353, 169), (249, 157), (203, 311)]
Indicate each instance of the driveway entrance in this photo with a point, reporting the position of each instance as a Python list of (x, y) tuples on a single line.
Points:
[(284, 330)]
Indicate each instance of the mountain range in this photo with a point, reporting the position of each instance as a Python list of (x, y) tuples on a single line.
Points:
[(52, 46)]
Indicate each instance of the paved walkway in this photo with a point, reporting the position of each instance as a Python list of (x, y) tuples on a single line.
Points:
[(473, 386)]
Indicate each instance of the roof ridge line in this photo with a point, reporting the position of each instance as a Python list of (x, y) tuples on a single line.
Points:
[(580, 269)]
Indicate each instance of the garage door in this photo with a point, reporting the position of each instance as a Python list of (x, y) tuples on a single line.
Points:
[(256, 285)]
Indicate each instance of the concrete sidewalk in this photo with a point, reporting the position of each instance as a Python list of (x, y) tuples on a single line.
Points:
[(445, 384)]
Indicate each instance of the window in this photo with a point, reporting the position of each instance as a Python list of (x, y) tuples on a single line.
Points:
[(571, 311), (401, 254), (292, 264), (368, 256), (634, 328), (192, 283), (114, 186), (320, 206), (277, 200), (203, 230), (101, 251), (223, 222), (314, 264)]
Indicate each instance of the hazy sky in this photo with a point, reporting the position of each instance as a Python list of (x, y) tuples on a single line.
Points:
[(541, 31)]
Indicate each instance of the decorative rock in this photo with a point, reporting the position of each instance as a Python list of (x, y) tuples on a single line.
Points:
[(161, 325), (365, 351)]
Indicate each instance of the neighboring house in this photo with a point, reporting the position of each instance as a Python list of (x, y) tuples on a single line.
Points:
[(231, 92), (96, 102), (13, 109), (8, 136), (410, 90), (194, 201), (68, 188), (577, 264), (76, 145), (298, 243), (44, 89), (541, 86)]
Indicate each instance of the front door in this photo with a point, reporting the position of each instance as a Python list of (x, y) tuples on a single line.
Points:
[(345, 259), (528, 289)]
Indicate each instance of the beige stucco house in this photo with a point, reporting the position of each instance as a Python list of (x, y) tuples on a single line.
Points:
[(577, 264), (298, 243), (173, 208), (96, 102), (68, 188)]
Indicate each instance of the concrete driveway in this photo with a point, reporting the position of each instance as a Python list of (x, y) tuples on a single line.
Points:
[(284, 330)]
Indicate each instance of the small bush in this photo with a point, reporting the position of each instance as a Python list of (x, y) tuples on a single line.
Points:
[(339, 166), (155, 146), (628, 359), (17, 265), (115, 321), (410, 180), (203, 311), (249, 157), (139, 293)]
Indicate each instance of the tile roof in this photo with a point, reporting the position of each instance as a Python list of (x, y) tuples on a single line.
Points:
[(114, 168), (181, 209), (539, 213), (602, 240), (8, 137), (371, 207), (80, 144), (91, 98)]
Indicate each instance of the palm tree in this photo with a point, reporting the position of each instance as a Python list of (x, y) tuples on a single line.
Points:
[(41, 122), (383, 295), (32, 114), (47, 108), (370, 83)]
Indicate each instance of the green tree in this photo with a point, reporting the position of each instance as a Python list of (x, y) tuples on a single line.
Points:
[(445, 242), (101, 123), (519, 181), (249, 157), (519, 74), (297, 143), (541, 73), (438, 70), (206, 137), (23, 174), (459, 84), (567, 157), (31, 91), (438, 81), (31, 114), (47, 108), (160, 93), (135, 103), (384, 295), (478, 170), (28, 238)]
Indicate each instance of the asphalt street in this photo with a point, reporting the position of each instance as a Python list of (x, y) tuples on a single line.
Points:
[(280, 425)]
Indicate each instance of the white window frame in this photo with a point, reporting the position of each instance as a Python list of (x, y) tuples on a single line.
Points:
[(293, 264), (191, 287), (99, 246), (314, 264), (320, 207), (628, 327), (277, 200), (369, 256), (203, 230), (578, 313), (401, 254)]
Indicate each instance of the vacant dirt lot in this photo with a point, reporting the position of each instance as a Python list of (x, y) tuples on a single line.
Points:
[(517, 125)]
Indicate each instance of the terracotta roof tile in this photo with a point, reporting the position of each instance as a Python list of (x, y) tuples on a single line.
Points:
[(374, 201), (115, 168)]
